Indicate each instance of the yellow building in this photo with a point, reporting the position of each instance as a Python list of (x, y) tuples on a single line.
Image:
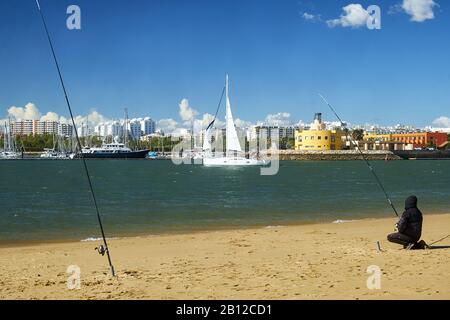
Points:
[(318, 137)]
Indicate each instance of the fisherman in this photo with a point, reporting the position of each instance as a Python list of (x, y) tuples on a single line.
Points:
[(409, 227)]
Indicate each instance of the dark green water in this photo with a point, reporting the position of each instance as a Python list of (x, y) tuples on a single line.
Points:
[(45, 200)]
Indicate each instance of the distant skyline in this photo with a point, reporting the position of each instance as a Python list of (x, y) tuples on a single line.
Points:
[(167, 59)]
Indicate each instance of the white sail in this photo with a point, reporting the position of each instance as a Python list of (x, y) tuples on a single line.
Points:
[(232, 139), (207, 138)]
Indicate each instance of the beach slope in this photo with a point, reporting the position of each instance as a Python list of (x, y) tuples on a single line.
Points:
[(320, 261)]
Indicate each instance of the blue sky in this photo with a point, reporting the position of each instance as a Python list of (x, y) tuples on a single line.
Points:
[(148, 55)]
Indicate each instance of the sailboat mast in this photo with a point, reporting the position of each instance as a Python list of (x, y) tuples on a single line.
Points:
[(125, 130), (227, 114), (9, 135), (4, 137)]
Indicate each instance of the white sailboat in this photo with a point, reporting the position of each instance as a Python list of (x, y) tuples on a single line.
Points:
[(233, 155)]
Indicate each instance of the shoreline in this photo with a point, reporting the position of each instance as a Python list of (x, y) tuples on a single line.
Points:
[(203, 230), (186, 231)]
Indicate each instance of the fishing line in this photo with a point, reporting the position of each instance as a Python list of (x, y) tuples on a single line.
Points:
[(439, 240), (102, 249), (364, 158)]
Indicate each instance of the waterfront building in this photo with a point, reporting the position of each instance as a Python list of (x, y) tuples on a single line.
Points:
[(134, 127), (318, 137), (415, 139), (84, 130), (141, 127), (65, 130), (271, 132), (109, 129), (24, 127), (148, 126), (37, 127)]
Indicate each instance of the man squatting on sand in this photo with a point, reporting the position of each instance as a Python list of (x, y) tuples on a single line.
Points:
[(409, 227)]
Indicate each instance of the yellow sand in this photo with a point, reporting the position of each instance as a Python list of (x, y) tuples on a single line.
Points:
[(323, 261)]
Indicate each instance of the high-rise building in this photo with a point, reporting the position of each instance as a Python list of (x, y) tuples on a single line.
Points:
[(37, 127), (148, 126), (135, 128), (84, 130), (271, 132), (65, 130)]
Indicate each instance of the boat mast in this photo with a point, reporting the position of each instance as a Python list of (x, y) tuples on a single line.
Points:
[(125, 129), (4, 137), (9, 135)]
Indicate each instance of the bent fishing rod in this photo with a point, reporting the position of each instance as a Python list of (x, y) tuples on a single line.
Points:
[(103, 249), (363, 156)]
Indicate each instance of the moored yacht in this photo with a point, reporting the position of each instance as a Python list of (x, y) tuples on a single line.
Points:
[(112, 151)]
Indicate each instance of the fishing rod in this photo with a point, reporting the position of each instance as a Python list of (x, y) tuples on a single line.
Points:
[(364, 158), (103, 248)]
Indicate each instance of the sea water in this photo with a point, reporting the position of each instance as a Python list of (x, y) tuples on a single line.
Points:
[(50, 200)]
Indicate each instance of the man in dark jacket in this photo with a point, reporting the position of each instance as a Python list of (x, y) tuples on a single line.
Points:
[(409, 226)]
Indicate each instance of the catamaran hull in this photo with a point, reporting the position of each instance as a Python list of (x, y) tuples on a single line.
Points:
[(141, 154), (232, 162)]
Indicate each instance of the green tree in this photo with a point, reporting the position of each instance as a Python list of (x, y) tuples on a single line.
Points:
[(287, 143), (358, 134)]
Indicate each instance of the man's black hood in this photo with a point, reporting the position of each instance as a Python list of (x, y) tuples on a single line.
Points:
[(411, 202)]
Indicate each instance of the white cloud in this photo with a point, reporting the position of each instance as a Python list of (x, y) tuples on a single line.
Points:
[(94, 118), (29, 112), (279, 119), (50, 116), (203, 123), (186, 112), (311, 17), (419, 10), (53, 116), (167, 125), (442, 122), (242, 123), (354, 16)]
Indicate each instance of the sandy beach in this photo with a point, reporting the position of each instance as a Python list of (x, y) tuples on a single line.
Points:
[(320, 261)]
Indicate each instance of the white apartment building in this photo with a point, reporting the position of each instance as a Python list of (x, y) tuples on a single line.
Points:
[(270, 132), (65, 130), (135, 128), (114, 129), (84, 130), (148, 126), (139, 127)]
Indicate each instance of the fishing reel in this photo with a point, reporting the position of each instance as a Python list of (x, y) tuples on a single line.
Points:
[(101, 249)]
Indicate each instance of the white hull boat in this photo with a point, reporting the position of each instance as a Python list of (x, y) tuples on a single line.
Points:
[(232, 161), (233, 147)]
